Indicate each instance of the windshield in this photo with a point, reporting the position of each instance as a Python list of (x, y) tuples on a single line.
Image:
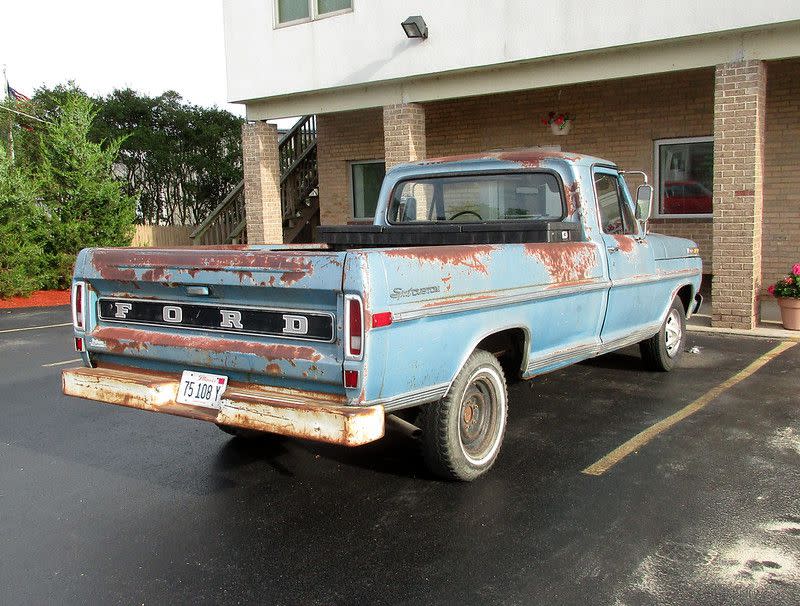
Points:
[(473, 198)]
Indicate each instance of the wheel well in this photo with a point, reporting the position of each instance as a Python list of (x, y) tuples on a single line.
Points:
[(685, 294), (509, 346)]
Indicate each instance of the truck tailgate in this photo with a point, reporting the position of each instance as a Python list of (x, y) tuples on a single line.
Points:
[(261, 314)]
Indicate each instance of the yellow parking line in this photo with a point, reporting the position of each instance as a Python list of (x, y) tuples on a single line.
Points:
[(639, 440), (35, 327)]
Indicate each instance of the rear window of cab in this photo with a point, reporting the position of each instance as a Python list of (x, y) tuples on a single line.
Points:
[(528, 196)]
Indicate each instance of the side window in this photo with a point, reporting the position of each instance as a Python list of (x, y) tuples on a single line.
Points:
[(615, 215)]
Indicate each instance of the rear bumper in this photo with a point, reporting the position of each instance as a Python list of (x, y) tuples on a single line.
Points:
[(300, 414)]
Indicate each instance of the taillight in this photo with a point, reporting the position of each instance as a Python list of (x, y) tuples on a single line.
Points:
[(78, 305), (353, 327), (351, 379), (79, 346)]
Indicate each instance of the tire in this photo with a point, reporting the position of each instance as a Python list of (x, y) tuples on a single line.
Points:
[(662, 351), (245, 434), (462, 433)]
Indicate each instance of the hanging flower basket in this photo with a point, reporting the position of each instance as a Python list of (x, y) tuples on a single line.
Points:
[(560, 124)]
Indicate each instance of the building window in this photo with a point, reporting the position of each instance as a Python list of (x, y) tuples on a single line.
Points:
[(684, 173), (298, 11), (366, 179)]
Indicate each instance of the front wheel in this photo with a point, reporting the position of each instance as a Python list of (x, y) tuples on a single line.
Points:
[(663, 350), (462, 432)]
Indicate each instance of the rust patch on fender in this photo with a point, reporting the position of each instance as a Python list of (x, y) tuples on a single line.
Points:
[(567, 261), (273, 369), (626, 243), (126, 340), (470, 256)]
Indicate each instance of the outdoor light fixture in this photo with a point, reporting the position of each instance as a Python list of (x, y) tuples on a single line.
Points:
[(415, 27)]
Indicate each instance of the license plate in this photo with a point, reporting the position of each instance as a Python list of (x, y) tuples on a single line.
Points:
[(201, 389)]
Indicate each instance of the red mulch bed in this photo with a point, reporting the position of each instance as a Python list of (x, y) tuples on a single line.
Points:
[(40, 298)]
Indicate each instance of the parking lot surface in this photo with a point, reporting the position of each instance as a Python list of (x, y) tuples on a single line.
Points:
[(100, 504)]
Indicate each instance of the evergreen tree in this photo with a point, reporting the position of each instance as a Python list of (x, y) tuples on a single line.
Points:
[(85, 202), (22, 220)]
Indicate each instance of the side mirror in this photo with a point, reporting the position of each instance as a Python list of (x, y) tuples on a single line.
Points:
[(644, 204)]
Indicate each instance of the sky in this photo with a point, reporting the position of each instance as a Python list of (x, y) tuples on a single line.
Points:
[(148, 45)]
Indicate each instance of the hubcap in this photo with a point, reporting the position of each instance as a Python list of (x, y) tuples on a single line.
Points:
[(480, 419), (673, 333)]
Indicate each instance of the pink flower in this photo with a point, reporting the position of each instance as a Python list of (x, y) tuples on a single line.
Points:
[(771, 290), (796, 269), (560, 120), (788, 281)]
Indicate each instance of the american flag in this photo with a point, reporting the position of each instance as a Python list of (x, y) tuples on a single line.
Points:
[(15, 94)]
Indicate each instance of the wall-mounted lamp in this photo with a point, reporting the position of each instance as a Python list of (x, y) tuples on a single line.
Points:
[(415, 27)]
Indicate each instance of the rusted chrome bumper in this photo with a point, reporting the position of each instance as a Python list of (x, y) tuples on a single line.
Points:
[(301, 414)]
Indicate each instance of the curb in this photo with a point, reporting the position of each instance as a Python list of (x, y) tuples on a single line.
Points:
[(758, 333)]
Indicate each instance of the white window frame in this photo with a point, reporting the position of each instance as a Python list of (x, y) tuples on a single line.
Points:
[(353, 185), (657, 177), (313, 11)]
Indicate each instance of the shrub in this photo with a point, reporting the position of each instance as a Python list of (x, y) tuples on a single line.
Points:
[(84, 202), (22, 259)]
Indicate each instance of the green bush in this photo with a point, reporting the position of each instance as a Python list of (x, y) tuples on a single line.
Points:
[(22, 219), (57, 198)]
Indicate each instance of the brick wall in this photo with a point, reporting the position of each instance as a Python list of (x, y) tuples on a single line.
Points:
[(781, 235), (343, 138), (616, 119), (262, 194), (404, 133), (739, 119)]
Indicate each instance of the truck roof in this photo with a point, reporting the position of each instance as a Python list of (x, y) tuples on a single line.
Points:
[(524, 157)]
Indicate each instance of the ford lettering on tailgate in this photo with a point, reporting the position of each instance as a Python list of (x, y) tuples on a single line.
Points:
[(315, 326)]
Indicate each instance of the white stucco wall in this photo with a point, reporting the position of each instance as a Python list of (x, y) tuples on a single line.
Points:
[(368, 45)]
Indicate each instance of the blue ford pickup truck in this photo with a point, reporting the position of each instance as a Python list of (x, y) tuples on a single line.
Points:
[(477, 268)]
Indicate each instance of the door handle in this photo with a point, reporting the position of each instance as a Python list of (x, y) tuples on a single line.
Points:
[(612, 249)]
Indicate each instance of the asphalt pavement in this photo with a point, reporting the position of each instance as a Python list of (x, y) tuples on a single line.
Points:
[(101, 504)]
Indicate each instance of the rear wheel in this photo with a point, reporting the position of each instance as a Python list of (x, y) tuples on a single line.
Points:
[(462, 432), (663, 350)]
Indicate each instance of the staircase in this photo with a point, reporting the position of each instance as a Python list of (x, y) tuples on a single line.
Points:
[(297, 149)]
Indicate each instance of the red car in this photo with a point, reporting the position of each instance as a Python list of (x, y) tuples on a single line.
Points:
[(686, 198)]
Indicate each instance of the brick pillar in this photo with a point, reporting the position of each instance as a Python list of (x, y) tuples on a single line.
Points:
[(739, 108), (403, 133), (262, 183)]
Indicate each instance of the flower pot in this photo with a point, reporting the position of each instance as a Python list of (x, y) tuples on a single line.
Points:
[(790, 312), (562, 130)]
